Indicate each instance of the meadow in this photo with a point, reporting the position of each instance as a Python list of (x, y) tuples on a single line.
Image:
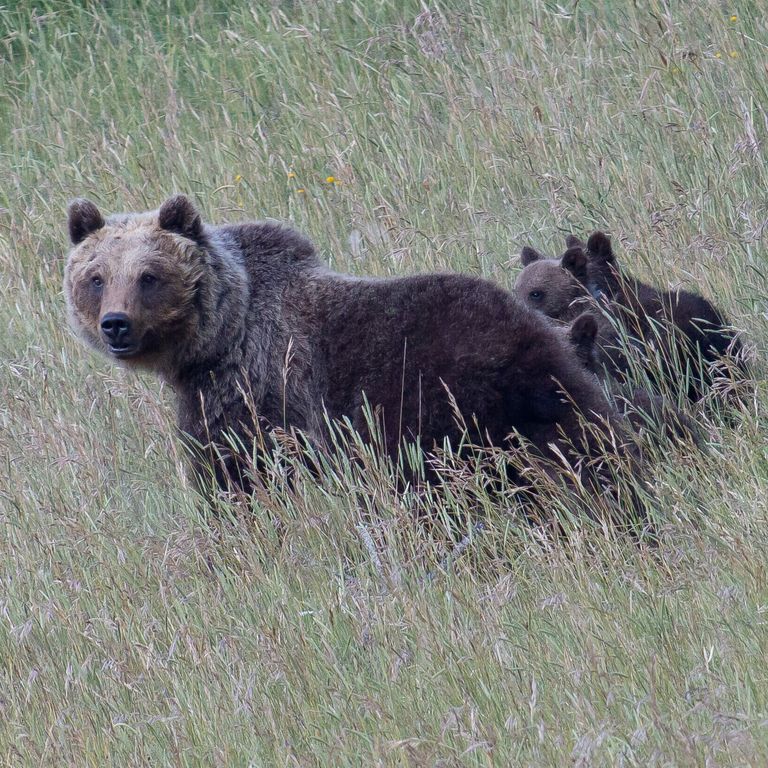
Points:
[(401, 137)]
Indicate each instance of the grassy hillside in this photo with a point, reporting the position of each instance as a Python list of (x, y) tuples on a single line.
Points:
[(401, 137)]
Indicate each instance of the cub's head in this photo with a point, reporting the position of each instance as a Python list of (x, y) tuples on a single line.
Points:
[(131, 280), (555, 287), (582, 336), (602, 267)]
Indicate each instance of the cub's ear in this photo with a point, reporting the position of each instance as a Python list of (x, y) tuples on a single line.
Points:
[(583, 330), (571, 241), (83, 219), (529, 255), (582, 335), (599, 248), (575, 261), (178, 214)]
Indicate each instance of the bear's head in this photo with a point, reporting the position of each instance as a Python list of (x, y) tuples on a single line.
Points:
[(582, 336), (556, 287), (602, 267), (132, 281)]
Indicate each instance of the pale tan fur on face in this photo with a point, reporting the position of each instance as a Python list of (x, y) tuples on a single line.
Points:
[(120, 253)]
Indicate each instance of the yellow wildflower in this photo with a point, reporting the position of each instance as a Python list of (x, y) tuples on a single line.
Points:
[(301, 190), (238, 178), (331, 179), (734, 54), (734, 18), (718, 55), (291, 175)]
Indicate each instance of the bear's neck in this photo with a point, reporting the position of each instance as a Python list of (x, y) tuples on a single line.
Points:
[(221, 302), (230, 380)]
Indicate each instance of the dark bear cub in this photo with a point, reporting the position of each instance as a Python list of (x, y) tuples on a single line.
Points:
[(254, 334), (644, 410), (691, 333)]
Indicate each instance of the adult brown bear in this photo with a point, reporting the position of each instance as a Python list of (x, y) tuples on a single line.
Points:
[(254, 333)]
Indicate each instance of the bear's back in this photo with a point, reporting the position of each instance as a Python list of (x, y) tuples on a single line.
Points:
[(423, 347), (267, 249)]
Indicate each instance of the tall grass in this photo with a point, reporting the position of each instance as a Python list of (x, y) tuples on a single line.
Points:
[(132, 632)]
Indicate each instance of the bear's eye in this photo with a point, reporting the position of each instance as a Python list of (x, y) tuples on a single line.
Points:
[(97, 282), (536, 295), (148, 280)]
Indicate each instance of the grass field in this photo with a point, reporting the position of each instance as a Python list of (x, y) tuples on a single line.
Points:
[(401, 137)]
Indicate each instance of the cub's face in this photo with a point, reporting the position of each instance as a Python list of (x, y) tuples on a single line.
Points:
[(555, 287), (130, 284)]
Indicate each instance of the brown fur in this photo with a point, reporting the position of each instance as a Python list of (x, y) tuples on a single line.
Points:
[(644, 410), (254, 333), (581, 335), (682, 328), (558, 289), (555, 287)]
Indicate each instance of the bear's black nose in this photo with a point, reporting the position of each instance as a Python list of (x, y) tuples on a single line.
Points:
[(115, 326)]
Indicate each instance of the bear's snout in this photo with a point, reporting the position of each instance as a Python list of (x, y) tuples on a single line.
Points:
[(116, 329)]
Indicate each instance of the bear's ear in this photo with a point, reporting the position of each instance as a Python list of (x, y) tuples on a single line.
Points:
[(83, 219), (571, 241), (599, 248), (575, 261), (529, 255), (178, 214), (582, 334), (583, 330)]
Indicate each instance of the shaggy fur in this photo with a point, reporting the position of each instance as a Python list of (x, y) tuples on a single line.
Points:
[(682, 328), (254, 333), (558, 289), (581, 334), (643, 410)]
